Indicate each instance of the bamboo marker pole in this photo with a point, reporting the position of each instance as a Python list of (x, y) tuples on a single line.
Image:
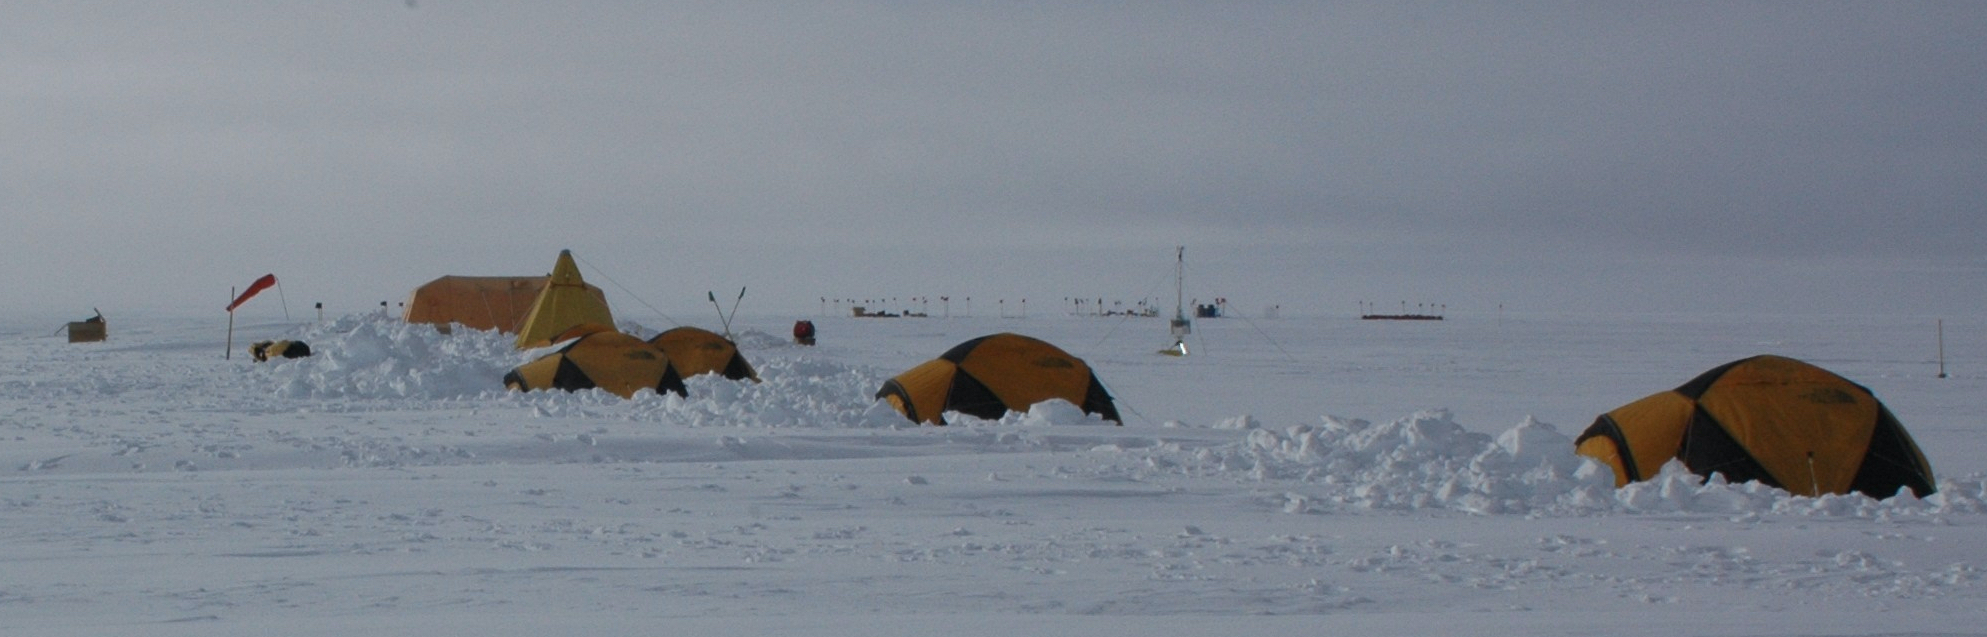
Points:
[(229, 353), (1813, 480), (1942, 347)]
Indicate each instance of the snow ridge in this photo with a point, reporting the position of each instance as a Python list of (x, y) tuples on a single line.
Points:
[(1423, 461), (1428, 461)]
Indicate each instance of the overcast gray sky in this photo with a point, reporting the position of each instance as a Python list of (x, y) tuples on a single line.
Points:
[(1553, 156)]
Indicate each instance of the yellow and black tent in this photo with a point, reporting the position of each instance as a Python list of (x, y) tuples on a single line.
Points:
[(694, 351), (991, 375), (1780, 421), (599, 357), (566, 301)]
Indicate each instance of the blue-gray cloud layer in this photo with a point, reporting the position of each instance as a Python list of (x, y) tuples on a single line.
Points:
[(1684, 156)]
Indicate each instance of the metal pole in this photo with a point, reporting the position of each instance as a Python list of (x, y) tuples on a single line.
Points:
[(734, 311), (721, 319), (1180, 282)]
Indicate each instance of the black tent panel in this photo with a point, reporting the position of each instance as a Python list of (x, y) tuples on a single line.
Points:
[(970, 396), (959, 352), (569, 377), (1893, 461), (893, 388), (1605, 426), (1697, 386), (1097, 401), (1708, 449), (738, 369), (672, 382)]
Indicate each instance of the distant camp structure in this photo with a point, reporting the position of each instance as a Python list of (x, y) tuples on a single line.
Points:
[(599, 357), (988, 376), (565, 302), (1780, 421), (1423, 312), (864, 312), (693, 351), (89, 330), (498, 303)]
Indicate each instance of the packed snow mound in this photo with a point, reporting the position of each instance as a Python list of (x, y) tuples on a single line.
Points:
[(1051, 412), (1427, 461), (755, 339), (791, 393), (379, 358), (374, 357)]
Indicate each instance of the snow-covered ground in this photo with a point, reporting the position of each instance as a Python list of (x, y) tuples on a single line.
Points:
[(1310, 475)]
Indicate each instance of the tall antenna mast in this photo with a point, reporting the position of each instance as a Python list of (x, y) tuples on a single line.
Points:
[(1180, 325), (1180, 284)]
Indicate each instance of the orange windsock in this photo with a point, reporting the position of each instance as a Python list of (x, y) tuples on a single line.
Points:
[(258, 286)]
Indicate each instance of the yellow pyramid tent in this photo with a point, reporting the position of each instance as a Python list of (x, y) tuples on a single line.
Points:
[(565, 302)]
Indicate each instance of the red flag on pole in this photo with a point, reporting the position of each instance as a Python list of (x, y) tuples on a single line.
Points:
[(258, 286)]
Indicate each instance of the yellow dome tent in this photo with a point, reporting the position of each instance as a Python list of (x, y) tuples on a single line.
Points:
[(599, 357), (991, 375), (565, 302), (694, 351), (1780, 421)]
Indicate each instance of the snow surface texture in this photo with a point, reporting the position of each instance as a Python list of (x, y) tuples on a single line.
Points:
[(390, 483)]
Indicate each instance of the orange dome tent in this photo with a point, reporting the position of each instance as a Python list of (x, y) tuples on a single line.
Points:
[(603, 358), (694, 351), (991, 375), (1780, 421)]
